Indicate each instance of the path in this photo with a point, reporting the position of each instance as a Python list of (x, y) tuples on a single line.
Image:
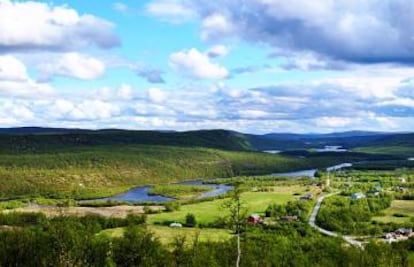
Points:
[(312, 223)]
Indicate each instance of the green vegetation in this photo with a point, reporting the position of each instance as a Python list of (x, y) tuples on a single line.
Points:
[(101, 171), (73, 241), (167, 235), (211, 213), (179, 191), (400, 211), (343, 215)]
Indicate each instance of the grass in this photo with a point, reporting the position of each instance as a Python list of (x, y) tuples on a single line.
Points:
[(209, 212), (179, 191), (394, 150), (167, 234), (403, 207)]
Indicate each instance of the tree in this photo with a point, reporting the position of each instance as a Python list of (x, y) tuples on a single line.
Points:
[(236, 218), (190, 220)]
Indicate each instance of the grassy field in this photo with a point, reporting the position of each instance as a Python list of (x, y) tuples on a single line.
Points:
[(393, 150), (402, 207), (167, 234), (179, 191), (209, 212)]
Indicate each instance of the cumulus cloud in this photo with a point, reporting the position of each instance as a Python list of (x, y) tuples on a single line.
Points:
[(195, 64), (43, 26), (170, 10), (364, 32), (12, 69), (15, 81), (72, 65), (63, 109), (156, 95), (217, 51)]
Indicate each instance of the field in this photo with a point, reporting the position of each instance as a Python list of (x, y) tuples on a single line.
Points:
[(115, 211), (167, 234), (404, 209), (209, 212)]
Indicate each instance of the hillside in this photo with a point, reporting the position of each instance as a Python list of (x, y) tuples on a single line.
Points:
[(33, 140)]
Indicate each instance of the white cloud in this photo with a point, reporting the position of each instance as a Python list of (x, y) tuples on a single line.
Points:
[(156, 95), (217, 51), (64, 109), (73, 65), (32, 25), (15, 81), (170, 10), (216, 26), (197, 65), (12, 69)]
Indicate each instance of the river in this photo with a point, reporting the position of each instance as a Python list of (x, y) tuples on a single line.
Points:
[(140, 194)]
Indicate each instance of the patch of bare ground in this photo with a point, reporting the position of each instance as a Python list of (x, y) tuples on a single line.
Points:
[(115, 211)]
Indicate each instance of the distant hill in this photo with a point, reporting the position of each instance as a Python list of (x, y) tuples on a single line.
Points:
[(37, 138)]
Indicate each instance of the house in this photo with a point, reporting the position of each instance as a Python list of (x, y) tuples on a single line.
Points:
[(254, 219), (289, 218), (308, 196), (356, 196)]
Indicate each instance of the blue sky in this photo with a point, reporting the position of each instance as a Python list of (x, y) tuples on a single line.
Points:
[(254, 66)]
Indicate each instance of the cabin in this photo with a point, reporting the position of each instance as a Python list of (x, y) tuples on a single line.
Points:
[(254, 219), (356, 196)]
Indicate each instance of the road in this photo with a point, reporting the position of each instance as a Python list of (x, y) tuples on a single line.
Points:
[(312, 220)]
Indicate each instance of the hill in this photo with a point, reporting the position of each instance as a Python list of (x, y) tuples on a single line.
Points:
[(33, 140)]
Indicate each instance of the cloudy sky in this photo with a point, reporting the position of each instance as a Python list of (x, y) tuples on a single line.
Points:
[(249, 65)]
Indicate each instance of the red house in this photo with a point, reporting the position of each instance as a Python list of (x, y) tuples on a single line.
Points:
[(254, 219)]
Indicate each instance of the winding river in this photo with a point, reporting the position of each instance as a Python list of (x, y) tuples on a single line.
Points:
[(140, 194)]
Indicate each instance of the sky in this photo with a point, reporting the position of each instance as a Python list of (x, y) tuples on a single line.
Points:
[(255, 66)]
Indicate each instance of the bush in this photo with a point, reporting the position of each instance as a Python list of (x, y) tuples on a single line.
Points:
[(172, 206)]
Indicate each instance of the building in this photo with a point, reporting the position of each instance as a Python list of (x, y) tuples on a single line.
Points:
[(356, 196), (254, 219)]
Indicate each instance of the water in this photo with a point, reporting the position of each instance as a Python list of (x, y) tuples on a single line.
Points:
[(219, 189), (140, 194), (306, 173), (311, 172), (331, 149), (272, 151)]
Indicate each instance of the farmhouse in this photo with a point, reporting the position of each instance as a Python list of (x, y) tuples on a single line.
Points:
[(254, 219)]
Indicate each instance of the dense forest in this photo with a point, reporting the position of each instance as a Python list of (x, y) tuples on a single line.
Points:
[(72, 241)]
